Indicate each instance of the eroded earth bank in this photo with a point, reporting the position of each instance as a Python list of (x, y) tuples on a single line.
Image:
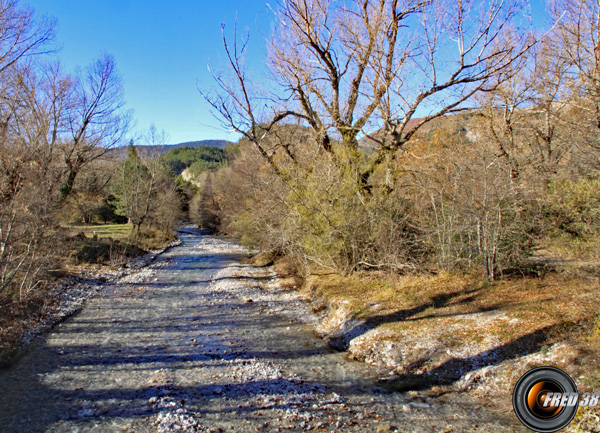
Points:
[(187, 344)]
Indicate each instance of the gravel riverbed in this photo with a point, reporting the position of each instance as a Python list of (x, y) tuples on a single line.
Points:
[(191, 343)]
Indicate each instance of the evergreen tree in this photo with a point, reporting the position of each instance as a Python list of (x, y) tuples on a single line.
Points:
[(135, 190)]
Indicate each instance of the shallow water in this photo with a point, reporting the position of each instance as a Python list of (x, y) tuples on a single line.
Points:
[(172, 349)]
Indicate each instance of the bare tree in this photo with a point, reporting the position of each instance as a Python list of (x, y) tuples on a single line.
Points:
[(26, 172), (95, 120), (51, 125), (525, 114), (370, 67), (577, 42), (22, 34), (79, 118), (145, 194)]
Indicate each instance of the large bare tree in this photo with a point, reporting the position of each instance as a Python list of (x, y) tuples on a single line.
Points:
[(52, 124), (382, 68), (96, 121), (22, 34)]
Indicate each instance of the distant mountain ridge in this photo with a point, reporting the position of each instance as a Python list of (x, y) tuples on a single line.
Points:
[(217, 143), (156, 151)]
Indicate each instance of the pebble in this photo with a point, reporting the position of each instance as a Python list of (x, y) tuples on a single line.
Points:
[(384, 427)]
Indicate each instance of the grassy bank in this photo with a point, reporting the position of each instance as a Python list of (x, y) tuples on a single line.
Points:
[(120, 232), (112, 244), (460, 331)]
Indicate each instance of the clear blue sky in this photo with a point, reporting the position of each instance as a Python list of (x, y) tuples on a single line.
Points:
[(161, 48)]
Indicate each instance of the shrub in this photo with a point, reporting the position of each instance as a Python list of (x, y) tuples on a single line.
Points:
[(573, 206)]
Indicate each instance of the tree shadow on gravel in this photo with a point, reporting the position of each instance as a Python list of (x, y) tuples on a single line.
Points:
[(151, 358), (93, 406), (452, 370), (449, 371)]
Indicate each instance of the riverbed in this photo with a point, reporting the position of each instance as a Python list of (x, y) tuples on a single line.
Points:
[(187, 345)]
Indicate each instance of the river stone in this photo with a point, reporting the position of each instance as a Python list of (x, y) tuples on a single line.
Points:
[(384, 427)]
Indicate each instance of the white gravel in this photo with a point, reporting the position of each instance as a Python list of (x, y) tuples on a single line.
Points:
[(71, 294), (194, 342), (260, 285)]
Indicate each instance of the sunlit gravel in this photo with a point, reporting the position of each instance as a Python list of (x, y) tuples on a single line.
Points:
[(192, 343)]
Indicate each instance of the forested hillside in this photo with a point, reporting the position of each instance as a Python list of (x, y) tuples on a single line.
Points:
[(197, 160), (154, 151)]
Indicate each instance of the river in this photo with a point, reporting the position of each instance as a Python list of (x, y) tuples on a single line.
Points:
[(181, 346)]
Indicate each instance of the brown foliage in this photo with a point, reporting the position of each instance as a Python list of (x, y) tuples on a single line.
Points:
[(52, 125)]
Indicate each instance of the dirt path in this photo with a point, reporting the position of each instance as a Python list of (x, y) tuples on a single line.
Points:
[(175, 347)]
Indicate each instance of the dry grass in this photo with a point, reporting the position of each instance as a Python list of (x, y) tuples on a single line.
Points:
[(552, 299), (556, 307), (120, 232), (113, 244), (152, 238), (568, 253)]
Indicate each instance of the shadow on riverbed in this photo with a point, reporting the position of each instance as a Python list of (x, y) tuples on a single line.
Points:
[(101, 407), (152, 358), (454, 369), (450, 371), (101, 402), (171, 337)]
